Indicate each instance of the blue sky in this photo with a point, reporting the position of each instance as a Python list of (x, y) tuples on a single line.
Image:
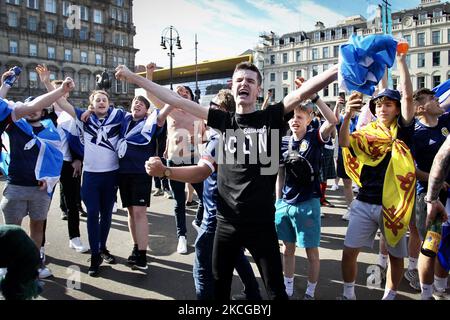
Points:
[(229, 27)]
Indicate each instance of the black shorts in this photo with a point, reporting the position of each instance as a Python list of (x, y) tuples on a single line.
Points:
[(340, 167), (135, 189)]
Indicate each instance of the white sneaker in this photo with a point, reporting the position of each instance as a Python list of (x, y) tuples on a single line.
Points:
[(346, 216), (42, 254), (44, 273), (114, 210), (289, 288), (182, 245), (334, 187), (76, 244), (355, 188), (3, 272)]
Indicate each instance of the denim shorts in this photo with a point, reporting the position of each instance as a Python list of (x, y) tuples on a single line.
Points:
[(299, 223)]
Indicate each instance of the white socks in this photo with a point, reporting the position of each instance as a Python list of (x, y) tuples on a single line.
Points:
[(311, 288), (349, 290), (412, 263), (289, 284), (426, 291), (440, 283), (383, 260), (389, 294)]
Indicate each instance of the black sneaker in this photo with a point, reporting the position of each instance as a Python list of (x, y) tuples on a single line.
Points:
[(96, 261), (107, 257), (133, 257), (192, 203), (141, 263)]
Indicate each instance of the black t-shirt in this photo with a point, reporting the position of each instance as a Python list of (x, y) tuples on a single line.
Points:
[(372, 178), (245, 190)]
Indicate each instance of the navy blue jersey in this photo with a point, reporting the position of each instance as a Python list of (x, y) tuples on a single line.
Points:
[(427, 141), (310, 147)]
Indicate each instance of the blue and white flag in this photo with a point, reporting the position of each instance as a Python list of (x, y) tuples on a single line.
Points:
[(442, 91), (50, 159), (73, 130), (363, 61), (141, 134)]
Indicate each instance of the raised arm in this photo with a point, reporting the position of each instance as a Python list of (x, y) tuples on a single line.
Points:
[(164, 94), (150, 68), (162, 116), (44, 100), (407, 111), (329, 126), (309, 87), (353, 105), (44, 76), (4, 88), (190, 174)]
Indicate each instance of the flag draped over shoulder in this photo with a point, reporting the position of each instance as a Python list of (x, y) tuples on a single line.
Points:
[(73, 130), (50, 159), (370, 145), (363, 61), (141, 134), (442, 91)]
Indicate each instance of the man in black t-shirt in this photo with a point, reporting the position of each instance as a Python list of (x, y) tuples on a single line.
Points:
[(247, 169)]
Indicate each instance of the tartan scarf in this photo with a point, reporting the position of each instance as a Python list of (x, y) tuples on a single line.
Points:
[(370, 145)]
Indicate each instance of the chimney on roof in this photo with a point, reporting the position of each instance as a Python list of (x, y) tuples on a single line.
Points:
[(319, 25)]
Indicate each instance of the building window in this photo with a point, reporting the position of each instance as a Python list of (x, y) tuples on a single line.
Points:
[(272, 59), (65, 8), (68, 33), (436, 37), (84, 13), (448, 35), (298, 73), (421, 39), (33, 4), (315, 54), (52, 76), (98, 16), (423, 16), (33, 50), (272, 97), (420, 60), (51, 54), (119, 3), (16, 2), (335, 51), (33, 77), (408, 60), (316, 36), (436, 81), (98, 36), (437, 13), (407, 37), (32, 23), (84, 82), (272, 76), (328, 35), (338, 33), (325, 67), (68, 55), (298, 55), (326, 91), (12, 19), (315, 70), (83, 57), (448, 57), (285, 92), (285, 58), (121, 87), (98, 59), (350, 30), (285, 75), (84, 34), (50, 6), (335, 89), (436, 58), (325, 52), (13, 47), (420, 82), (51, 26)]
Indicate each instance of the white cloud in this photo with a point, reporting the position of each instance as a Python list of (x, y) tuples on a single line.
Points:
[(224, 28)]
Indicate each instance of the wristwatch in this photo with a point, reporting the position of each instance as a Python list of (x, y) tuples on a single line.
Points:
[(429, 201), (166, 174), (314, 100)]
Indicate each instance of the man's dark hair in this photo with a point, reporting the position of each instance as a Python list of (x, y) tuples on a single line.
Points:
[(245, 65), (420, 93), (143, 100), (190, 91)]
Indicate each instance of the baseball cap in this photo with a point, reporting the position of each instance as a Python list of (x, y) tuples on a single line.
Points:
[(389, 93)]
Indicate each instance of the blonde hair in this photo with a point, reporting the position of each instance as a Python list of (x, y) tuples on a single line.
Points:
[(226, 100)]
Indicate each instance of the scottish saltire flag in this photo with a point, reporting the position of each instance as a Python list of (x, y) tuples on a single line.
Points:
[(50, 159), (363, 61), (6, 107), (141, 134), (442, 91), (73, 130)]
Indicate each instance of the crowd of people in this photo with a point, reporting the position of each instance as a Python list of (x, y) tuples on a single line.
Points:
[(260, 176)]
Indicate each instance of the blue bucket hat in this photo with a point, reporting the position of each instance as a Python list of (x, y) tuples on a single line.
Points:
[(389, 93)]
